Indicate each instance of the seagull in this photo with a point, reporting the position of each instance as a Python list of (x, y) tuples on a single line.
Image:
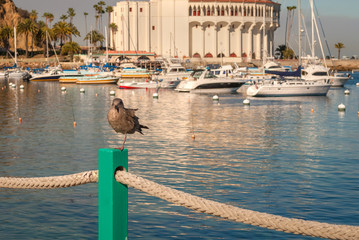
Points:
[(123, 119)]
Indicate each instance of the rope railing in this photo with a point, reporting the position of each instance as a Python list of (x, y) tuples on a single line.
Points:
[(270, 221)]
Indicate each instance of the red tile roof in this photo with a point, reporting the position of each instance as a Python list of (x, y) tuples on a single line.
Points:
[(236, 1)]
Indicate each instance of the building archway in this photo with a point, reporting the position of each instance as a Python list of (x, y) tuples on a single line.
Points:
[(208, 55), (196, 55)]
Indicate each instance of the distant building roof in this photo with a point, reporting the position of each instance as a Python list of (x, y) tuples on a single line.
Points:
[(236, 1), (131, 53)]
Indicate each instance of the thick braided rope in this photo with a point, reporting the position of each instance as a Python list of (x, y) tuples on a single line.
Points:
[(289, 225), (50, 182)]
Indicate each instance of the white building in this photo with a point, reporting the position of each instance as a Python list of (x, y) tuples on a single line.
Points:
[(196, 28)]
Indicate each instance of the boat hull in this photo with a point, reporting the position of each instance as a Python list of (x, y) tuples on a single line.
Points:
[(288, 90), (210, 86)]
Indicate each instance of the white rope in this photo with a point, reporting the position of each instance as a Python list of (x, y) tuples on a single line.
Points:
[(278, 223), (289, 225)]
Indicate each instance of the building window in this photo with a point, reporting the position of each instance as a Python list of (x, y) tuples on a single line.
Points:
[(130, 9), (140, 9), (153, 27)]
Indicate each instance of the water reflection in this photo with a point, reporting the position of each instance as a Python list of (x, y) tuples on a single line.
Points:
[(288, 156)]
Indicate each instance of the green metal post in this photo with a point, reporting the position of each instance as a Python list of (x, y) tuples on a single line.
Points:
[(112, 196)]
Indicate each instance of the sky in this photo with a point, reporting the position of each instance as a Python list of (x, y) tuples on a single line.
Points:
[(339, 18)]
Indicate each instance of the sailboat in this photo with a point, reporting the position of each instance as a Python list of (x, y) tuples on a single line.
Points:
[(315, 70), (288, 84), (15, 72)]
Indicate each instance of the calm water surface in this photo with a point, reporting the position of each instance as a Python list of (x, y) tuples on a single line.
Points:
[(275, 156)]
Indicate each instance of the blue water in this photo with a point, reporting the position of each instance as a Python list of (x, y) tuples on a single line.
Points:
[(294, 157)]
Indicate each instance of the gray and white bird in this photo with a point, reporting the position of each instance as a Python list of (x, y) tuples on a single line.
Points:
[(123, 120)]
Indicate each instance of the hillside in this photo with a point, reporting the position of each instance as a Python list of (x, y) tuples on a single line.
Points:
[(11, 15)]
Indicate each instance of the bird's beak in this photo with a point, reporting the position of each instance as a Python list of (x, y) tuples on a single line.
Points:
[(117, 108)]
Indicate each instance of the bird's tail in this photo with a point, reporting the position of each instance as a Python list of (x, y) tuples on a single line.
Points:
[(142, 126)]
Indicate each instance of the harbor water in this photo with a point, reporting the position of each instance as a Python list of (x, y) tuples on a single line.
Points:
[(293, 157)]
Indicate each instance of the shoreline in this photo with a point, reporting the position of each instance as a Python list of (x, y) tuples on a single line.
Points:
[(339, 65)]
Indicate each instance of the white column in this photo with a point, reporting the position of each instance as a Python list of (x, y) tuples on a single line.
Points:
[(249, 44)]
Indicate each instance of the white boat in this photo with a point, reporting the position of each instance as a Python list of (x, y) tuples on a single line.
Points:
[(138, 85), (339, 79), (204, 81), (46, 76), (172, 74), (319, 72), (288, 88)]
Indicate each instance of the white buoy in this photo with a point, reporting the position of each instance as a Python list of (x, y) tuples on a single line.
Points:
[(346, 92), (13, 85), (112, 93), (22, 87), (63, 89), (341, 107), (155, 95), (215, 98), (82, 90), (246, 102), (357, 84)]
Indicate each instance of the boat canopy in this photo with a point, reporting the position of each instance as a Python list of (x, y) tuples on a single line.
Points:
[(297, 73)]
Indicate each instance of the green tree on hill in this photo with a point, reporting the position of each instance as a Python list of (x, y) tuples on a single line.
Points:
[(113, 27), (339, 46), (6, 33), (71, 48), (27, 27), (94, 37)]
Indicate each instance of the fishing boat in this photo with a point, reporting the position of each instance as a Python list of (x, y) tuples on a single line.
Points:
[(98, 79), (204, 81)]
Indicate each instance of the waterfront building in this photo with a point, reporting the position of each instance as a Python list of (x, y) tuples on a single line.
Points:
[(197, 28)]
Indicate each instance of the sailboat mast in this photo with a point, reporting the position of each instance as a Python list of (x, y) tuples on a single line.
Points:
[(264, 38), (313, 40), (47, 48), (15, 46), (299, 33)]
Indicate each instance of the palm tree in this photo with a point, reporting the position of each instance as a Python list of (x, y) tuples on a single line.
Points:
[(46, 16), (113, 27), (6, 33), (62, 30), (33, 17), (101, 4), (280, 49), (86, 14), (64, 17), (94, 37), (71, 48), (109, 10), (71, 14), (26, 27), (288, 53), (339, 46), (51, 18), (97, 15)]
